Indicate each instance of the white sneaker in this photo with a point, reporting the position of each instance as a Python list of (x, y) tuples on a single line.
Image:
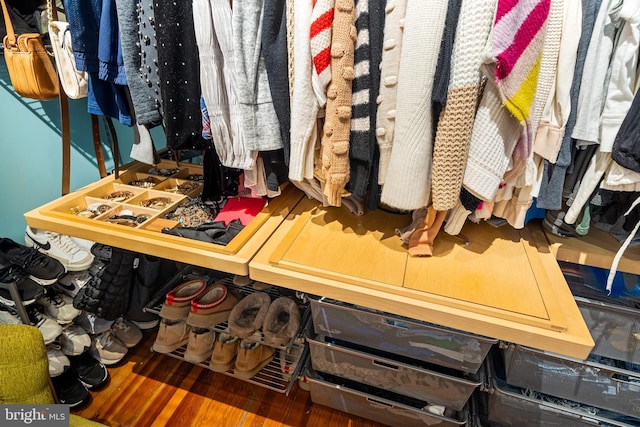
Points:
[(74, 340), (60, 247), (58, 362), (59, 306), (92, 323), (71, 283)]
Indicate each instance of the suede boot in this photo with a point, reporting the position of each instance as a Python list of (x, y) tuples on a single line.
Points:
[(225, 349), (252, 356), (248, 315), (282, 322)]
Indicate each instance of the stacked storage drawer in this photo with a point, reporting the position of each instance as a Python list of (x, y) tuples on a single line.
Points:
[(391, 369), (602, 390)]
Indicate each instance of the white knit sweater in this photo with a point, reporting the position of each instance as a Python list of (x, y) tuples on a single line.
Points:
[(408, 181)]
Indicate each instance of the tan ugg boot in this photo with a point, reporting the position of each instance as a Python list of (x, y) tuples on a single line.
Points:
[(213, 306), (225, 349), (178, 300), (171, 335), (200, 345), (248, 315), (252, 356), (282, 322)]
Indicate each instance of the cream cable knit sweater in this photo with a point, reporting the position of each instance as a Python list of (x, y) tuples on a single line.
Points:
[(408, 181), (555, 113), (456, 120), (304, 104), (337, 126), (389, 67)]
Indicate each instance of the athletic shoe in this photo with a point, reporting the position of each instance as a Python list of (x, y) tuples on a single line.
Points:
[(83, 244), (60, 247), (107, 348), (91, 372), (127, 332), (41, 267), (28, 290), (58, 362), (92, 323), (71, 283), (102, 252), (59, 306), (70, 390), (74, 340), (49, 328)]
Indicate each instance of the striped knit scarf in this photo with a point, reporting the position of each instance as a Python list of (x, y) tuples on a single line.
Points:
[(518, 38), (320, 33)]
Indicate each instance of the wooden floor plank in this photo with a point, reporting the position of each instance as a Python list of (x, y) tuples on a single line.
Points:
[(150, 389)]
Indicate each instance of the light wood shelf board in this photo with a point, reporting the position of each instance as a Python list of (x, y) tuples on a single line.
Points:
[(554, 331), (596, 249)]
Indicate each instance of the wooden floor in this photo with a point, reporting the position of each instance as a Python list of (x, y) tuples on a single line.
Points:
[(151, 389)]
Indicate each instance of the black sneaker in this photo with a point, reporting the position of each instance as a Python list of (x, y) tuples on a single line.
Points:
[(42, 268), (28, 290), (70, 390), (91, 372)]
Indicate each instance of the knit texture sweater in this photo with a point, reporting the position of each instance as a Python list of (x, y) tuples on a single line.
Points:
[(389, 67), (305, 104), (456, 120), (360, 149), (260, 122), (517, 43), (335, 138), (320, 42), (274, 50), (408, 181)]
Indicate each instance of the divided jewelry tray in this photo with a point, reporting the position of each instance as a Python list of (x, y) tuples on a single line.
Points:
[(130, 212)]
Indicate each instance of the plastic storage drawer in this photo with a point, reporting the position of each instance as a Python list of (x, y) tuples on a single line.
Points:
[(356, 399), (407, 377), (399, 335), (615, 329), (512, 406), (586, 382)]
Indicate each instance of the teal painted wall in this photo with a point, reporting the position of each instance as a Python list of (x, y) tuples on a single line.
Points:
[(31, 153)]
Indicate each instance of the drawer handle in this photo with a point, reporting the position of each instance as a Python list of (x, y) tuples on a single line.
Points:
[(395, 323), (625, 379), (376, 402), (385, 365)]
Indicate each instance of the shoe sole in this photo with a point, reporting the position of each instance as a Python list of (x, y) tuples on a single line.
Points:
[(150, 324), (217, 367), (11, 303), (43, 282), (197, 358), (245, 375), (163, 348)]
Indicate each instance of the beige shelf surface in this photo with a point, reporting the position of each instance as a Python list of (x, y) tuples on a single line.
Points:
[(232, 258), (505, 284), (597, 249)]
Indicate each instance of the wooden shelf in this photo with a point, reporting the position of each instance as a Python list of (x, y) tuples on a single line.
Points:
[(232, 258), (505, 284), (596, 249)]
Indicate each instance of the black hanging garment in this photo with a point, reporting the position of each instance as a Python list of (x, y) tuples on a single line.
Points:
[(179, 72)]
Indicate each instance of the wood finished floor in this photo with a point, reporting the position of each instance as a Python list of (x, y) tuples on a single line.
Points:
[(151, 389)]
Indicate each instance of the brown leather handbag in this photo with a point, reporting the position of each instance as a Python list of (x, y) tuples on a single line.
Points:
[(30, 68)]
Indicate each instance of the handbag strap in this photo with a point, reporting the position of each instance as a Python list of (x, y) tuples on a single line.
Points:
[(11, 35), (52, 10)]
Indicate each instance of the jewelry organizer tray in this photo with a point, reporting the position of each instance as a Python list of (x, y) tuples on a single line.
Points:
[(130, 212)]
